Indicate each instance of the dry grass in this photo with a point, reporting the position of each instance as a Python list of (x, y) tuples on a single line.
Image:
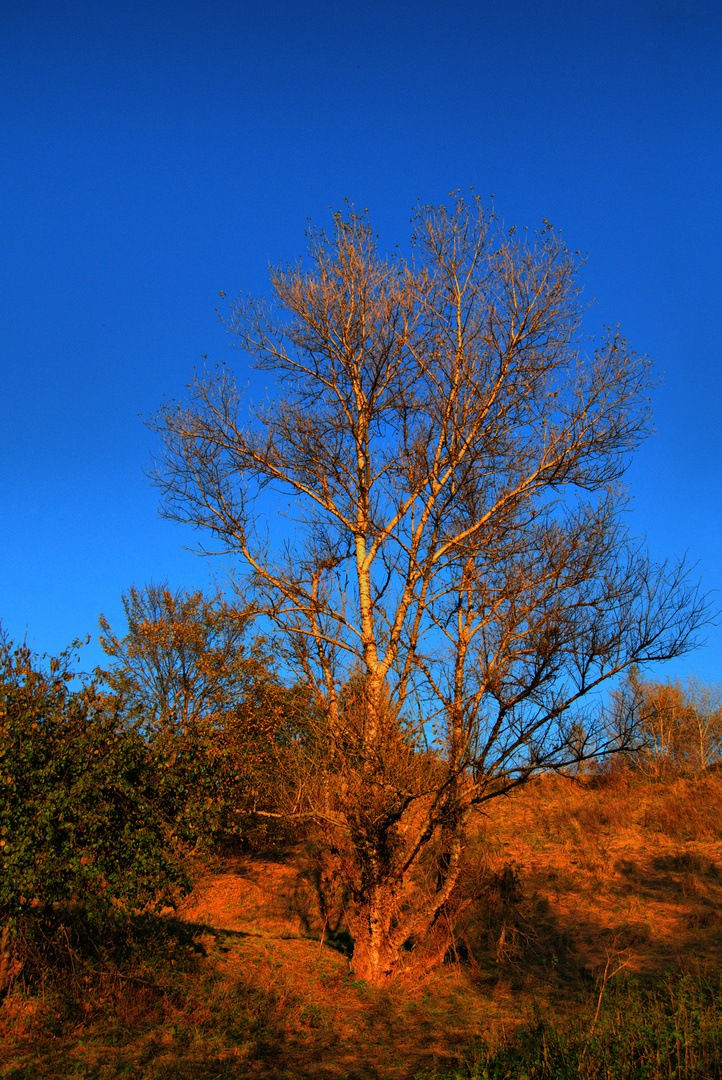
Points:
[(569, 878), (616, 864)]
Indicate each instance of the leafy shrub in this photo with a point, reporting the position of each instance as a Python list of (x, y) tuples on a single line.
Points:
[(79, 820)]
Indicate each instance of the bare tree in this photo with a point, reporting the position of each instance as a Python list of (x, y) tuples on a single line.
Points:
[(452, 456), (679, 724)]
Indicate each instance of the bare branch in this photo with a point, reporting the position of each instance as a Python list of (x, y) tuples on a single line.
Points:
[(454, 450)]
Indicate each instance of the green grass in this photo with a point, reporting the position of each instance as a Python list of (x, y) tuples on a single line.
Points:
[(671, 1031)]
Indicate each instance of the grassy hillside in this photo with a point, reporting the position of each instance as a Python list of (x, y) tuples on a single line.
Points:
[(591, 945)]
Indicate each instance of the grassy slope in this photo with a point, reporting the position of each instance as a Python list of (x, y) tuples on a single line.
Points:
[(570, 880)]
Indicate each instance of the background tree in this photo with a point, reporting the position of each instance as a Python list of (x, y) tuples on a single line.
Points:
[(210, 704), (679, 723), (452, 457), (184, 659)]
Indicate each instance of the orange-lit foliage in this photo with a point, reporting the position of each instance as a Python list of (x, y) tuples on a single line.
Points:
[(183, 659), (209, 702), (680, 723)]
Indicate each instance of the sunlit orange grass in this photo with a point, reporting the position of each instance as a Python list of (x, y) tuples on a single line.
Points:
[(572, 876), (619, 861)]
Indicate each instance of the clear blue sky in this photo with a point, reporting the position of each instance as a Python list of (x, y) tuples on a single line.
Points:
[(154, 154)]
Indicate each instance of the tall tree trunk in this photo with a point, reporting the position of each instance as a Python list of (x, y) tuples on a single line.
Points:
[(387, 914)]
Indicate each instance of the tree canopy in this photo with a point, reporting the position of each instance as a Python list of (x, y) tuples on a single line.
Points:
[(209, 702)]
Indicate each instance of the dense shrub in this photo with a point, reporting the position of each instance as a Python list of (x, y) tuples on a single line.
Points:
[(79, 815), (222, 783)]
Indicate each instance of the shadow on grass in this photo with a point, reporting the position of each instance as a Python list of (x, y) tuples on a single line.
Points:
[(148, 1002)]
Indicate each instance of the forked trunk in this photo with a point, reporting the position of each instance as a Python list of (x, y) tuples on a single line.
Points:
[(381, 925)]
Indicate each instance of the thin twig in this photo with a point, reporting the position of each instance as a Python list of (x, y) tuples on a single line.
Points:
[(605, 979), (323, 934)]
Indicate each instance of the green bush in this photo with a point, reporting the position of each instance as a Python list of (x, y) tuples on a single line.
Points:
[(79, 818)]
